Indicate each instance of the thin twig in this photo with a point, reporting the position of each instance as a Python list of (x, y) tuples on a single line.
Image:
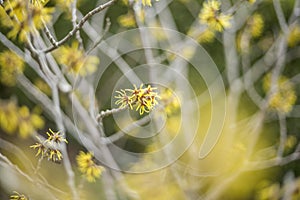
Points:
[(79, 25)]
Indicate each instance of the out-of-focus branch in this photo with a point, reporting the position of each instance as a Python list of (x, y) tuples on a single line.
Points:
[(80, 24), (280, 16), (283, 134)]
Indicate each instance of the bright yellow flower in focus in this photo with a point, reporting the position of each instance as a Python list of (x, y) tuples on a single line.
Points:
[(284, 98), (143, 99), (294, 36), (10, 65), (88, 167), (211, 16), (75, 60)]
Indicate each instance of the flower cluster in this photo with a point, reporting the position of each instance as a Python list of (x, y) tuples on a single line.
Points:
[(22, 18), (143, 99), (18, 196), (256, 25), (75, 60), (211, 16), (170, 102), (88, 167), (19, 119), (10, 65), (284, 97), (48, 148), (294, 36)]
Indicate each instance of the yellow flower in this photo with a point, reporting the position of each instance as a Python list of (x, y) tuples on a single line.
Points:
[(56, 137), (170, 102), (14, 119), (39, 2), (18, 196), (88, 167), (41, 148), (251, 1), (76, 61), (43, 87), (49, 147), (28, 122), (127, 20), (54, 155), (145, 2), (284, 98), (206, 36), (212, 16), (256, 25), (41, 14), (10, 65), (123, 99), (8, 117), (143, 99), (294, 36), (63, 4)]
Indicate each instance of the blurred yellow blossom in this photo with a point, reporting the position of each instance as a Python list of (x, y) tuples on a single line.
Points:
[(127, 20), (63, 4), (18, 196), (284, 97), (42, 86), (169, 101), (294, 36), (211, 16), (145, 2), (22, 17), (251, 1), (10, 65), (88, 167), (143, 99), (256, 25), (75, 60), (39, 2), (206, 36), (21, 120), (8, 117), (28, 122)]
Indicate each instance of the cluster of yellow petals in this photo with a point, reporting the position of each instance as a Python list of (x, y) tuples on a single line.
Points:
[(49, 147), (169, 101), (283, 97), (14, 119), (88, 167), (10, 66), (256, 25), (23, 18), (143, 99), (211, 16), (294, 36), (75, 60)]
